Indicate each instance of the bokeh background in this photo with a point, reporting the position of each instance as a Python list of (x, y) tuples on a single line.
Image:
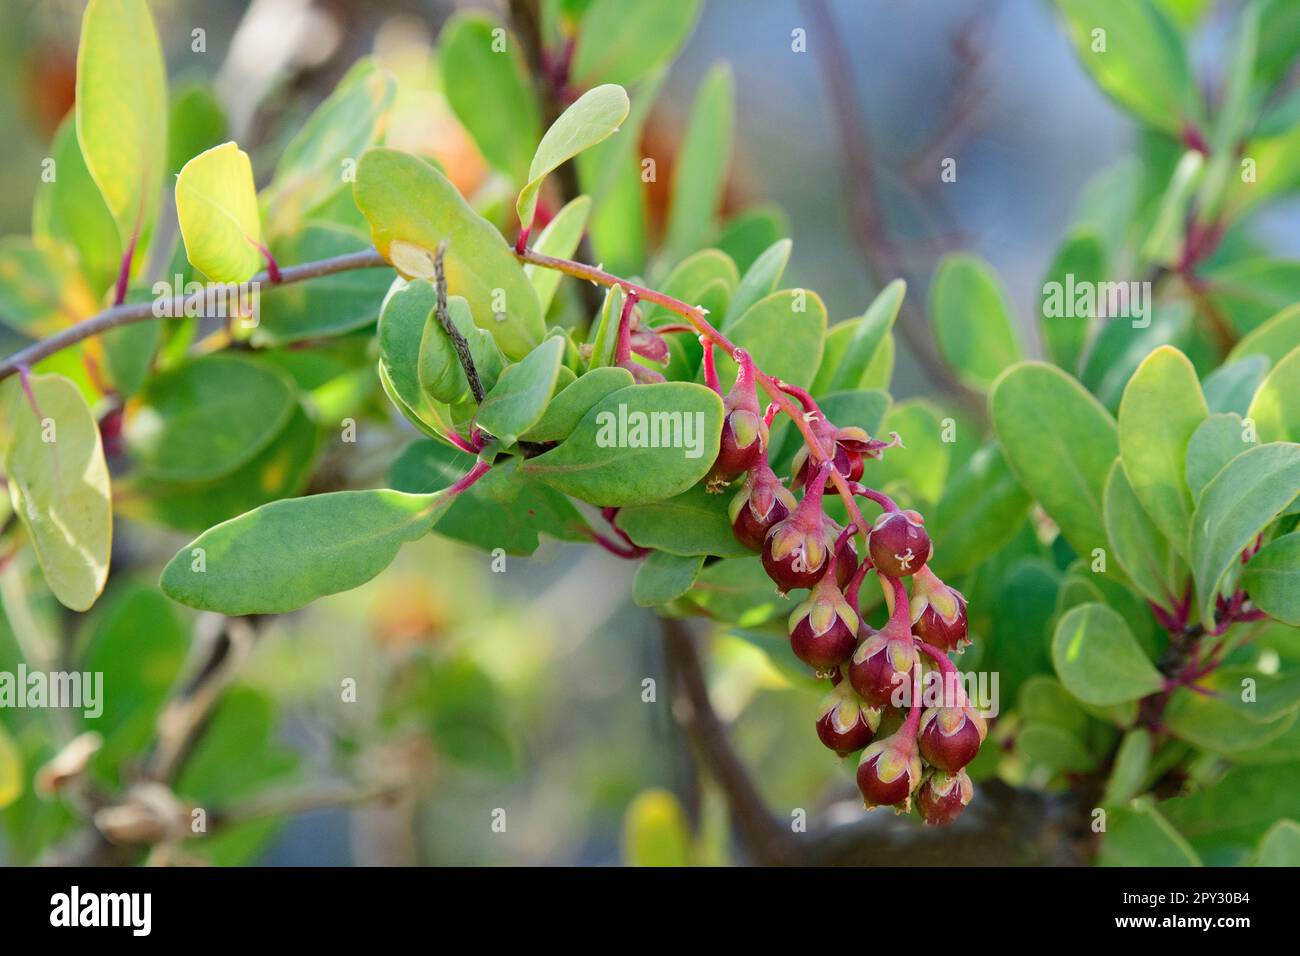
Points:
[(547, 658)]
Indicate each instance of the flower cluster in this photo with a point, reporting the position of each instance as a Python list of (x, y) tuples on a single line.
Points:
[(875, 675)]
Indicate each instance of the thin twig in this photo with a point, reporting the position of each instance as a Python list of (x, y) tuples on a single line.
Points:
[(448, 326), (120, 315)]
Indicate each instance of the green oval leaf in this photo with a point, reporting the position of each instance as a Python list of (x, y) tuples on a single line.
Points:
[(1055, 748), (1230, 387), (593, 117), (694, 522), (640, 444), (70, 209), (440, 373), (1129, 772), (1141, 550), (1275, 408), (972, 323), (700, 173), (1137, 58), (784, 334), (691, 279), (1161, 408), (621, 41), (1280, 845), (122, 111), (520, 396), (312, 169), (759, 280), (58, 484), (1080, 263), (206, 418), (870, 333), (572, 404), (280, 470), (1272, 579), (663, 577), (1272, 339), (411, 208), (1238, 503), (489, 91), (1098, 659), (500, 510), (1140, 836), (216, 206), (1216, 441), (1060, 443), (982, 507), (288, 553)]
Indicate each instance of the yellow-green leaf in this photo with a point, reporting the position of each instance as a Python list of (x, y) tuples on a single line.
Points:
[(122, 110), (216, 204), (592, 118), (11, 769), (1275, 408), (655, 831), (412, 208), (58, 483), (1161, 408)]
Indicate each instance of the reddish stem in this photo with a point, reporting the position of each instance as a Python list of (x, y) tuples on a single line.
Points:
[(272, 267), (879, 497), (480, 469), (461, 443), (624, 353), (710, 369), (807, 401), (900, 616), (853, 590), (124, 271)]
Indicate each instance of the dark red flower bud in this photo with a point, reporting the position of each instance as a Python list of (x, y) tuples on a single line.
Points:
[(744, 432), (881, 665), (846, 557), (950, 737), (845, 724), (759, 505), (898, 543), (938, 612), (851, 446), (943, 796), (890, 769), (823, 629), (797, 551)]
